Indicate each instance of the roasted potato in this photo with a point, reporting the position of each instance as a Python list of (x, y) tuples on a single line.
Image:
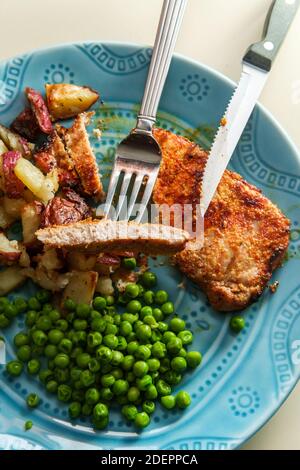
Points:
[(50, 280), (31, 215), (39, 109), (13, 186), (80, 261), (50, 260), (15, 142), (66, 100), (5, 219), (81, 287), (3, 147), (43, 187), (11, 278), (105, 286), (24, 260), (9, 250), (13, 207)]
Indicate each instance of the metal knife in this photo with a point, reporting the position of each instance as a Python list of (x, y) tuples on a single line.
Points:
[(257, 64)]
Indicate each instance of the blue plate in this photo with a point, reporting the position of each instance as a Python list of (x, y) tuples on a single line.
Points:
[(244, 378)]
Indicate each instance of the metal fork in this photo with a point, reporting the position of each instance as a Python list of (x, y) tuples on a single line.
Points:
[(138, 156)]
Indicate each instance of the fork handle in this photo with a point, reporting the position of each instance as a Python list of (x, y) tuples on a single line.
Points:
[(168, 29)]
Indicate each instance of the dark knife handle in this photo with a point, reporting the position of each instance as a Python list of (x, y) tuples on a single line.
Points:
[(278, 22)]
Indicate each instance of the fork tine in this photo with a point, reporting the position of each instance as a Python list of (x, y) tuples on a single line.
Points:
[(146, 196), (122, 195), (134, 193), (111, 189)]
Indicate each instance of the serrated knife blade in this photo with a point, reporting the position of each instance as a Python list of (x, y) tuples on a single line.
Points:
[(236, 117), (257, 64)]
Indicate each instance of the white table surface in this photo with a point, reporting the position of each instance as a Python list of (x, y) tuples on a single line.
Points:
[(215, 32)]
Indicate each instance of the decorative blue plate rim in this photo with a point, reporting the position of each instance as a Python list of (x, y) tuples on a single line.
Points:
[(238, 396)]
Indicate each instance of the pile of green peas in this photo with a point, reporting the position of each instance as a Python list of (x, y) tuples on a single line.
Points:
[(93, 356)]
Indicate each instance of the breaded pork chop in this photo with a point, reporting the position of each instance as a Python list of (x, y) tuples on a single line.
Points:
[(246, 235)]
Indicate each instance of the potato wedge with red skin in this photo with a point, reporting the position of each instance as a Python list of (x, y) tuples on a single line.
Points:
[(25, 124), (14, 141), (39, 110), (13, 187), (66, 100), (81, 287), (9, 250)]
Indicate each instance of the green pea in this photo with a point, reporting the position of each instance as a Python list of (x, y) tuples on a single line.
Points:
[(99, 303), (149, 297), (80, 338), (122, 344), (172, 377), (110, 300), (120, 387), (153, 364), (45, 375), (183, 399), (107, 380), (14, 368), (237, 323), (158, 350), (53, 315), (140, 368), (87, 409), (64, 393), (143, 352), (177, 324), (55, 336), (132, 347), (144, 382), (83, 310), (74, 410), (50, 351), (61, 375), (158, 315), (94, 339), (94, 314), (100, 411), (111, 341), (162, 326), (161, 297), (134, 306), (21, 339), (148, 279), (52, 386), (65, 346), (78, 395), (174, 346), (165, 365), (167, 336), (3, 303), (167, 308), (4, 321), (193, 359), (148, 406), (100, 423), (128, 362), (130, 317), (186, 337), (20, 304), (98, 324), (106, 394), (182, 353), (61, 361), (31, 317), (92, 396), (24, 353), (70, 305), (129, 263), (151, 392), (129, 412), (130, 377), (10, 311), (142, 420), (33, 400), (28, 425), (104, 354), (144, 332), (117, 358), (156, 336), (133, 394), (33, 367), (34, 304), (82, 360), (125, 328), (163, 388), (94, 365), (168, 402), (132, 291), (179, 364), (80, 324)]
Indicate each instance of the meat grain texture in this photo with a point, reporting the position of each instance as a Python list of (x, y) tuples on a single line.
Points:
[(246, 235)]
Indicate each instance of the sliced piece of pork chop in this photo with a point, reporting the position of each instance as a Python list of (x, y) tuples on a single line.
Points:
[(105, 235)]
